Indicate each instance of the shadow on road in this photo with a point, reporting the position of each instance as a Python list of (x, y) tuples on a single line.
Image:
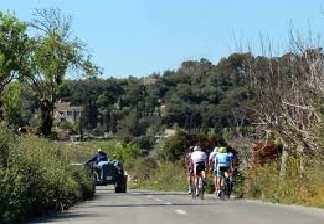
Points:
[(139, 194), (63, 217)]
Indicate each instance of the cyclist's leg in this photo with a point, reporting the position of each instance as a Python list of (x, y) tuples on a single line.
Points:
[(198, 178), (220, 175), (215, 180), (189, 180), (195, 178), (223, 175)]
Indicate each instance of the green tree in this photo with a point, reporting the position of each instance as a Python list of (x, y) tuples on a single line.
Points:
[(55, 53), (13, 103), (14, 50)]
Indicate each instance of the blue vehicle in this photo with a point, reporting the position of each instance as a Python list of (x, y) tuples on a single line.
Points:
[(108, 172)]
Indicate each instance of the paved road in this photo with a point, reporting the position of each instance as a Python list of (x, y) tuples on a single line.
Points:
[(159, 208)]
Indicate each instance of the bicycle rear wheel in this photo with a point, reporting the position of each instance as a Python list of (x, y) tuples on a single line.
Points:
[(223, 190), (201, 189), (193, 191)]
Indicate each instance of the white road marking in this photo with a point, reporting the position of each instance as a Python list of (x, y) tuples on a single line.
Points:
[(157, 199), (180, 212), (168, 203), (149, 196)]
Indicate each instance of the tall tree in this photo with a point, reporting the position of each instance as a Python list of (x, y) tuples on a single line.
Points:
[(55, 53)]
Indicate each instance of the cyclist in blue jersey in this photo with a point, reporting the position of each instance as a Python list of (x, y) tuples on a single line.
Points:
[(223, 166)]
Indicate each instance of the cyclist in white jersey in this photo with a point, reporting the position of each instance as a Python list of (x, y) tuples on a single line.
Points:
[(199, 159), (212, 164)]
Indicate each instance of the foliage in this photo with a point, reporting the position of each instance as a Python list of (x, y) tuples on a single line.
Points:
[(266, 183), (145, 142), (37, 178), (54, 54), (199, 95), (82, 152), (14, 49), (168, 176), (13, 104)]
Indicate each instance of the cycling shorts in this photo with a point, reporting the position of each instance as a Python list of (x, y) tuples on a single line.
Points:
[(221, 170), (200, 166)]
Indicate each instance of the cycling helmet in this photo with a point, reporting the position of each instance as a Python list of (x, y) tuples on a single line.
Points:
[(197, 148), (222, 149), (216, 149), (99, 150)]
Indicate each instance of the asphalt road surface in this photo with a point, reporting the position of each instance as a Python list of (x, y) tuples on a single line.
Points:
[(158, 208)]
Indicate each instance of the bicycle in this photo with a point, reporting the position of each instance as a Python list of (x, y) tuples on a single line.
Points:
[(201, 190), (226, 189)]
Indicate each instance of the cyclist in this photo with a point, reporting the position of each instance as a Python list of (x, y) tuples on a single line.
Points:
[(199, 160), (212, 157), (223, 166), (189, 168)]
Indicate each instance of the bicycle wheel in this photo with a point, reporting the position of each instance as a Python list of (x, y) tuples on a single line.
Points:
[(193, 191), (201, 189), (228, 183), (223, 191)]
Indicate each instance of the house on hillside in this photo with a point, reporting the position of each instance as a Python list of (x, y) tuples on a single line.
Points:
[(63, 111), (170, 133)]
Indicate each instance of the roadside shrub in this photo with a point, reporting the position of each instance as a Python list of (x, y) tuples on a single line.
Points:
[(6, 141), (265, 183), (38, 177), (142, 169), (144, 142)]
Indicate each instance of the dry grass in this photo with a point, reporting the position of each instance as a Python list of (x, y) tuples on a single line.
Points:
[(265, 183)]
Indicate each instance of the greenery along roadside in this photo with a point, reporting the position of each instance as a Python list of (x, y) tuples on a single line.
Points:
[(266, 183), (36, 176)]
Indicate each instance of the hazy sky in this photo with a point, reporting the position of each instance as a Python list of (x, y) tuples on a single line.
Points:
[(139, 37)]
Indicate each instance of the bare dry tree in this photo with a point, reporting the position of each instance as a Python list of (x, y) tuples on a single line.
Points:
[(288, 93)]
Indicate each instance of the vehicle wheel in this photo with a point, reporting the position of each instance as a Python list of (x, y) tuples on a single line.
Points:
[(125, 185), (120, 188), (95, 178), (117, 189), (122, 185)]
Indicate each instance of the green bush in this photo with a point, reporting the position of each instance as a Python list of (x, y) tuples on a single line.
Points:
[(38, 177), (265, 183), (144, 142)]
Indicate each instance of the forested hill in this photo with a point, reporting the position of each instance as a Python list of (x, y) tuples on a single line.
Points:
[(198, 95)]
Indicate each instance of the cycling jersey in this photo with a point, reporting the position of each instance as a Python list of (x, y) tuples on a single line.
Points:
[(223, 159), (212, 156), (198, 156)]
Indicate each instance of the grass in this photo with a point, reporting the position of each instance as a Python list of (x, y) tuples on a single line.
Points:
[(265, 183), (165, 177), (168, 177)]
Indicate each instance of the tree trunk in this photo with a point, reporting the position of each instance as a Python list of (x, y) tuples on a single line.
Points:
[(284, 159), (300, 151), (46, 118)]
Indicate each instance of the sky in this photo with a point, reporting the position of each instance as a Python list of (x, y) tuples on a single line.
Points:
[(140, 37)]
